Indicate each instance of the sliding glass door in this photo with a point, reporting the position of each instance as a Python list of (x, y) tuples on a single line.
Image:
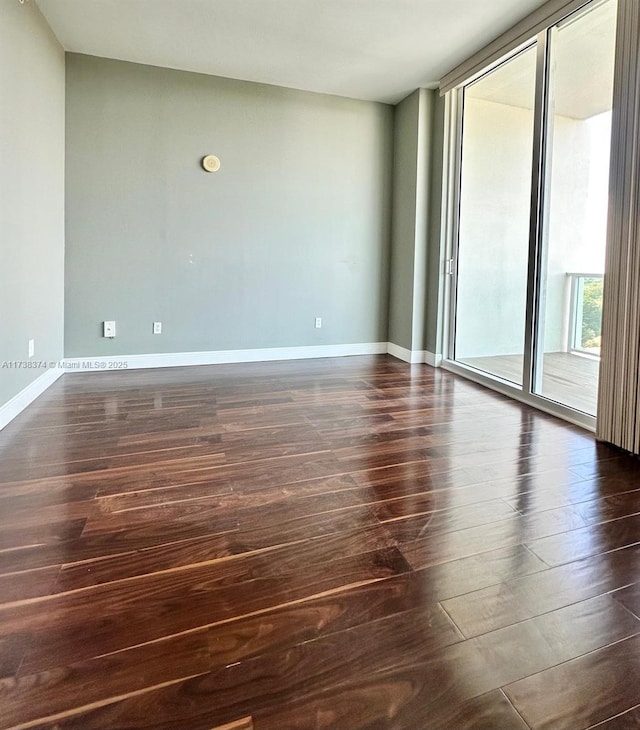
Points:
[(581, 54), (495, 198), (533, 192)]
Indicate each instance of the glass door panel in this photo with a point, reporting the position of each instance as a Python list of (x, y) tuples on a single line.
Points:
[(582, 50), (495, 200)]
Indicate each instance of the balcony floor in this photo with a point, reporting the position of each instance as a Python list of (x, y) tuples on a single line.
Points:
[(568, 378)]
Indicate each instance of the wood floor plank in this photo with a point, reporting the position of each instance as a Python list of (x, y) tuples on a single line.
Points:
[(54, 691), (231, 537), (104, 544), (38, 496), (211, 453), (591, 540), (522, 598), (29, 584), (61, 690), (629, 720), (441, 514), (230, 498), (44, 518), (268, 561), (629, 598), (140, 611), (12, 651), (41, 534), (430, 549), (400, 650), (582, 692), (245, 723), (239, 511), (617, 465), (359, 605), (462, 486), (411, 702), (251, 475), (583, 490)]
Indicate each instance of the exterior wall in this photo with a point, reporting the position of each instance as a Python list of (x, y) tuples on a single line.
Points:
[(495, 226)]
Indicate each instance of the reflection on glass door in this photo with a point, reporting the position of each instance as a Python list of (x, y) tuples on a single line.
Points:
[(532, 217), (582, 50), (495, 199)]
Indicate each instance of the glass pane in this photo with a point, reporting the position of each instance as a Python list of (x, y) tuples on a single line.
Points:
[(582, 63), (495, 199)]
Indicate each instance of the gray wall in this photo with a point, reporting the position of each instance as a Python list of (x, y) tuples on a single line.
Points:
[(405, 177), (411, 226), (32, 76), (295, 225), (435, 274)]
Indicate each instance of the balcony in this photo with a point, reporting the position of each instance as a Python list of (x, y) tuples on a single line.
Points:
[(569, 375)]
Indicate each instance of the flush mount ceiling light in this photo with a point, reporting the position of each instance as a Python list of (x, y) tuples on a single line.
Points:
[(210, 163)]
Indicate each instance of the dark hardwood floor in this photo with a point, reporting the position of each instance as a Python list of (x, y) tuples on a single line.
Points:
[(350, 543)]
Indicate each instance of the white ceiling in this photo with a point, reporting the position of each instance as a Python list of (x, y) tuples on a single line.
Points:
[(377, 50), (583, 54)]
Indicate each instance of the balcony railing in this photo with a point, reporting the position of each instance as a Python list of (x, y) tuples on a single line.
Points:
[(585, 322)]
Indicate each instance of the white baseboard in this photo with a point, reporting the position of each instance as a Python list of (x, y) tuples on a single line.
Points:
[(25, 397), (432, 359), (112, 363), (414, 356), (410, 356)]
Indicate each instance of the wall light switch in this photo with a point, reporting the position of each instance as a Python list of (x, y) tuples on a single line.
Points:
[(32, 348), (109, 329), (318, 322), (157, 328)]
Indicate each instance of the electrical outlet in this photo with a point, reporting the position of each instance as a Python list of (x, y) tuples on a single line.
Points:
[(318, 322), (32, 348), (109, 328), (157, 328)]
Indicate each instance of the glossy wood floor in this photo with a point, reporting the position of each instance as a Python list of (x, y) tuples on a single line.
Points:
[(351, 543)]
